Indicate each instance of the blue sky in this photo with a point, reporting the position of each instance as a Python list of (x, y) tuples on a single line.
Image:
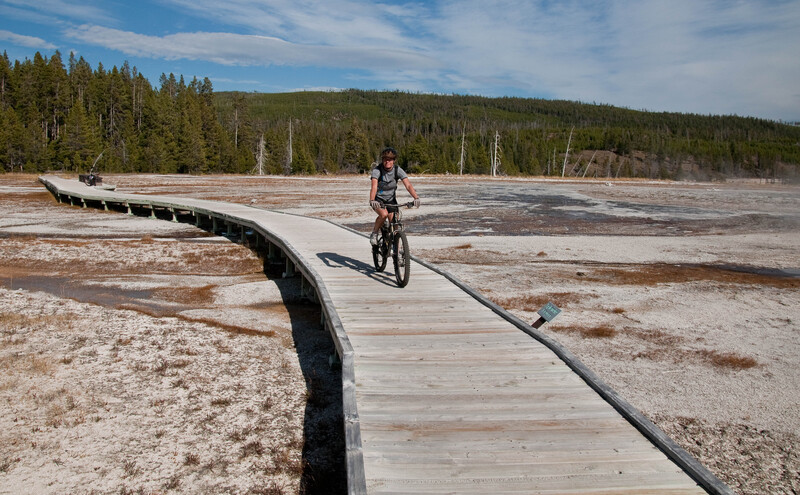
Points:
[(707, 57)]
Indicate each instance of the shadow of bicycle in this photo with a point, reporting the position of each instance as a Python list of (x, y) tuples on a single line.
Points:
[(335, 260)]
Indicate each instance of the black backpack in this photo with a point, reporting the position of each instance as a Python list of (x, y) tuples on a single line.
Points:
[(380, 165)]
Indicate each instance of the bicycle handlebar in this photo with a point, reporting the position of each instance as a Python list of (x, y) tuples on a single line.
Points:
[(397, 207)]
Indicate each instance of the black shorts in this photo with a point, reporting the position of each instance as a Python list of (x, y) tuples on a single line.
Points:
[(392, 201)]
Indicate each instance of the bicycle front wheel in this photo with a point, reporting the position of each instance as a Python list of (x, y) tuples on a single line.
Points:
[(379, 253), (402, 259)]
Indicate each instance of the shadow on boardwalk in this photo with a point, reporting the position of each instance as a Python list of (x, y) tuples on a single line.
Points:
[(338, 260)]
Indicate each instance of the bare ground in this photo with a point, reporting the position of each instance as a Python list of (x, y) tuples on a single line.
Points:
[(147, 356)]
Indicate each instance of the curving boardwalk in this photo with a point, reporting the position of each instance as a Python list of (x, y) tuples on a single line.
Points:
[(443, 391)]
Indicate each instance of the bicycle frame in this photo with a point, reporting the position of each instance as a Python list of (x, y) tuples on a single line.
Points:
[(393, 243), (395, 224)]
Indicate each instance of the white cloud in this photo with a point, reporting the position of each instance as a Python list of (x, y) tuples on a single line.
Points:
[(51, 10), (245, 50), (705, 57), (27, 41), (332, 23)]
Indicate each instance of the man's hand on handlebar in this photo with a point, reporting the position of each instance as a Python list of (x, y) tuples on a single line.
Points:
[(377, 205)]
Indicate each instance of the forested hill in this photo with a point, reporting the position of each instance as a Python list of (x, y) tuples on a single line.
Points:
[(333, 129), (67, 116)]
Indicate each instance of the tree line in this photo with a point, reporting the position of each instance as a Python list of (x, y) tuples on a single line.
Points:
[(68, 117), (54, 117)]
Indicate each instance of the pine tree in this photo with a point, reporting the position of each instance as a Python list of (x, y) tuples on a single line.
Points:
[(12, 132), (82, 140), (356, 156)]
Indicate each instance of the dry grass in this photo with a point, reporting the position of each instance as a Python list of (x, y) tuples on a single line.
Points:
[(231, 261), (173, 483), (66, 242), (187, 295), (655, 336), (465, 256), (728, 360), (221, 402), (14, 322), (7, 462), (11, 322), (234, 329), (665, 346), (661, 273), (144, 310), (533, 302), (23, 238), (41, 366), (587, 332), (33, 198), (130, 469), (253, 447)]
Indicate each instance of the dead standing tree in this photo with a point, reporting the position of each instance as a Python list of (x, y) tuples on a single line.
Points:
[(260, 156), (461, 160), (566, 155), (495, 154), (287, 168)]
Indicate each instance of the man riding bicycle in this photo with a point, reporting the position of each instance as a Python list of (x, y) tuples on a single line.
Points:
[(384, 186)]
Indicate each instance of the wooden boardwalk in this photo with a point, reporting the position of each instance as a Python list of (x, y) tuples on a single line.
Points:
[(444, 392)]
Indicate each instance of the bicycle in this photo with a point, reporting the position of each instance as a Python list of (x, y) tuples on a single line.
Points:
[(392, 242)]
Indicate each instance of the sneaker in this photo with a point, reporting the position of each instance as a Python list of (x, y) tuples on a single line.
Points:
[(373, 238)]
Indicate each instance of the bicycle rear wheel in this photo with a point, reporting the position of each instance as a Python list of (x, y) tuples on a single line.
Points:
[(379, 253), (402, 259)]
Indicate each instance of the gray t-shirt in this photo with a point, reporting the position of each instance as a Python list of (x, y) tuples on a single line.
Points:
[(387, 184)]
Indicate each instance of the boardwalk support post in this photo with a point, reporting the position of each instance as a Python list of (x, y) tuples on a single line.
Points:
[(307, 290), (273, 256), (289, 272), (334, 361), (174, 215)]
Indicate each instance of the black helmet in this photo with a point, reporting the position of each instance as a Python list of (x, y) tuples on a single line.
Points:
[(388, 152)]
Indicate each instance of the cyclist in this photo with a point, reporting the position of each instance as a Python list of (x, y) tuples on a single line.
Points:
[(384, 186)]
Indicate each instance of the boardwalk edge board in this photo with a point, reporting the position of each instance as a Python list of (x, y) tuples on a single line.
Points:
[(354, 452)]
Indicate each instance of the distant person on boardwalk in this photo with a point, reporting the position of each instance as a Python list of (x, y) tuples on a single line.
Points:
[(384, 186)]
